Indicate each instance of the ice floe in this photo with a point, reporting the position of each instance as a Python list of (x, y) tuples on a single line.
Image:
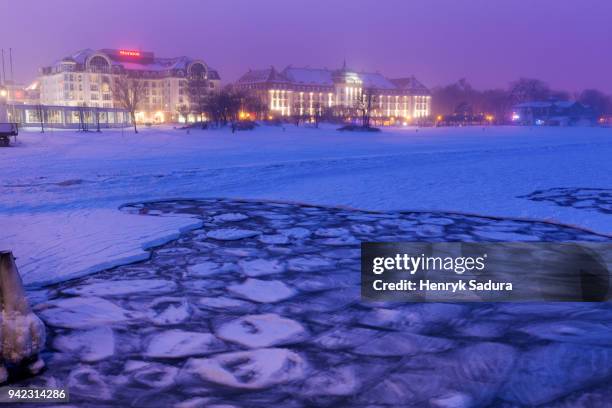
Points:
[(264, 330), (274, 239), (178, 343), (231, 234), (255, 369), (309, 263), (81, 312), (123, 287), (206, 268), (230, 217), (296, 232), (156, 375), (88, 345), (262, 291), (261, 267), (168, 310)]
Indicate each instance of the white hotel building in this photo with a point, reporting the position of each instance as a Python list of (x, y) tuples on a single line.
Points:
[(85, 79), (304, 89)]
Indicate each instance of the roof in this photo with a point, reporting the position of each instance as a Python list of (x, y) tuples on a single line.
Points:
[(309, 76), (324, 77), (213, 74), (148, 63), (411, 84), (375, 80), (547, 104), (535, 104), (263, 75)]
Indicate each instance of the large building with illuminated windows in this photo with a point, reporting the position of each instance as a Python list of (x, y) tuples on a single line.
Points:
[(85, 79), (304, 90)]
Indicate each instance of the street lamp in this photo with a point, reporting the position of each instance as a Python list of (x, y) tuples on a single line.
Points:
[(3, 104)]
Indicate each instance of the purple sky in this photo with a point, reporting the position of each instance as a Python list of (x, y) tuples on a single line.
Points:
[(566, 43)]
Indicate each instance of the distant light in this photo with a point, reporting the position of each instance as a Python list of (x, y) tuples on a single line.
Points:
[(129, 53), (439, 118), (3, 93), (489, 118), (515, 116)]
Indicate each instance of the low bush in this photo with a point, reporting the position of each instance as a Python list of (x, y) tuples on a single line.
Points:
[(358, 128)]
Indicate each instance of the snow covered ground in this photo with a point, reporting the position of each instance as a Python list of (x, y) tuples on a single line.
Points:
[(60, 191)]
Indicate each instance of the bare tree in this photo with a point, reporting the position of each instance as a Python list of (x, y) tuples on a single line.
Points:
[(254, 104), (223, 106), (82, 119), (129, 94), (297, 113), (231, 101), (363, 107), (198, 91), (96, 112), (40, 109), (599, 102), (318, 113), (527, 89), (184, 111)]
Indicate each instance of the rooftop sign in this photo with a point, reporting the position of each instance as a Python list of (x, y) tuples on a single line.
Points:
[(129, 53)]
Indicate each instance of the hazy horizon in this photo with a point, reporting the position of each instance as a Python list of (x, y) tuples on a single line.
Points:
[(490, 44)]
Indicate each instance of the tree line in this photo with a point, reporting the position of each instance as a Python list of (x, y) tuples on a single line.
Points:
[(218, 107), (461, 98), (223, 107)]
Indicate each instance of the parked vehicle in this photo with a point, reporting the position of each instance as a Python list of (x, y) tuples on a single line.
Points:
[(6, 131)]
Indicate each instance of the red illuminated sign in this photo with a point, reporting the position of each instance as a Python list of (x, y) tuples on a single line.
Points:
[(129, 53)]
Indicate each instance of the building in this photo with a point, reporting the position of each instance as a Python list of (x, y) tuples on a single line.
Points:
[(304, 90), (553, 113), (19, 93), (85, 79)]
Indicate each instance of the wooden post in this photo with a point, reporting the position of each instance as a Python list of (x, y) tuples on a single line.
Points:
[(22, 334)]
